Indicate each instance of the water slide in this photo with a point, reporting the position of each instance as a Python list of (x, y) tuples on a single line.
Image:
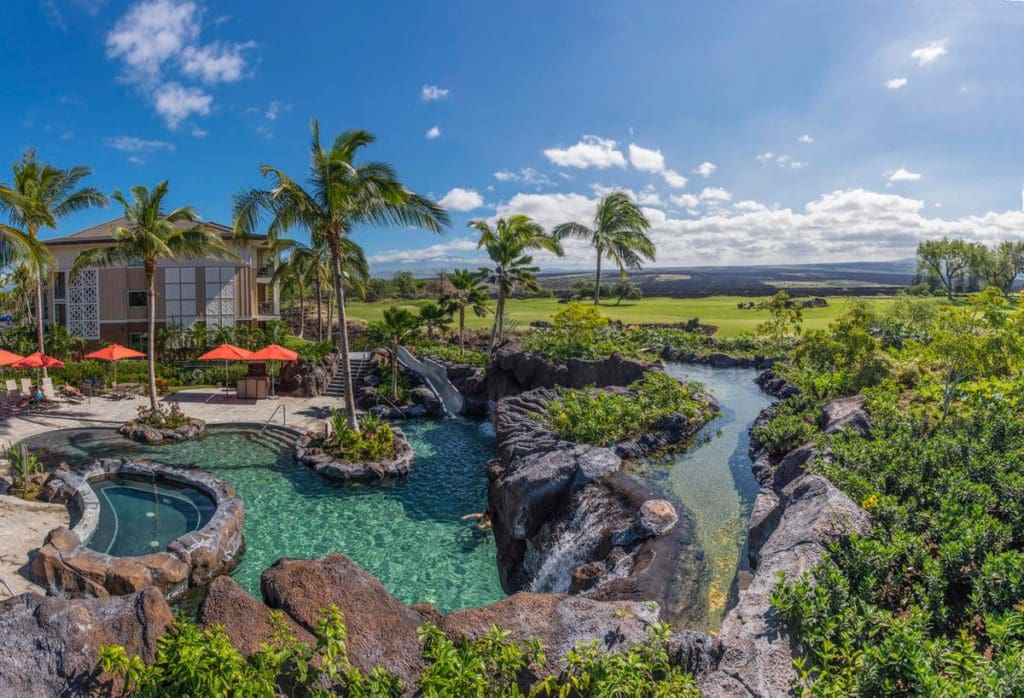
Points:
[(434, 375)]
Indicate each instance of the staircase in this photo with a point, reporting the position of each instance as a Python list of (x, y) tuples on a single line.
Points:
[(359, 361)]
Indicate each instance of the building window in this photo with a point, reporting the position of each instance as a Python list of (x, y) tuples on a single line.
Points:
[(59, 289), (137, 299), (220, 296), (180, 296), (138, 340)]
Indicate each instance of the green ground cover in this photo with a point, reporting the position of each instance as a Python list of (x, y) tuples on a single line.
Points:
[(720, 311)]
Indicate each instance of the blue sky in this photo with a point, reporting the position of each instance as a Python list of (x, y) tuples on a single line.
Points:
[(750, 131)]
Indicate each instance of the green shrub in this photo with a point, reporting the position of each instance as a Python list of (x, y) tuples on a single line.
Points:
[(600, 418), (375, 441), (784, 432), (163, 417), (194, 662)]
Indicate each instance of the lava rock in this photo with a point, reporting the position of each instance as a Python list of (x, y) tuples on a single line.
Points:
[(49, 646), (245, 620)]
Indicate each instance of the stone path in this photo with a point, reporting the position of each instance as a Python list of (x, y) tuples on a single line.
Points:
[(24, 525)]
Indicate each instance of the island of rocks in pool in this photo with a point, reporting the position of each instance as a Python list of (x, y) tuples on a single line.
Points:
[(607, 502)]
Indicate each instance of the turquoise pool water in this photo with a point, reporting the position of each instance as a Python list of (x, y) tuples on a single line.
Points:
[(407, 534), (139, 517)]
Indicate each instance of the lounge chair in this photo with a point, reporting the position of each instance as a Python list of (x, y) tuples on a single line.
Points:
[(50, 394), (26, 387), (12, 387)]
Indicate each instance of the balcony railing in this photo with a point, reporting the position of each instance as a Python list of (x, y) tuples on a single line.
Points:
[(266, 270), (266, 308)]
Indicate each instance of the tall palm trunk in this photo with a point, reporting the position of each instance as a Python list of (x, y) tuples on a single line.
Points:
[(39, 306), (330, 311), (394, 368), (597, 286), (302, 312), (462, 330), (346, 366), (151, 335), (319, 311), (499, 317)]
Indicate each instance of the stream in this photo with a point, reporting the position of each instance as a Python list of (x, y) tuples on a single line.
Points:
[(713, 479)]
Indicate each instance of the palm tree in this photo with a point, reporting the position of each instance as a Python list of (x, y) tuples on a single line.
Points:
[(148, 236), (293, 276), (619, 235), (506, 244), (466, 292), (397, 326), (38, 197), (435, 317), (341, 196)]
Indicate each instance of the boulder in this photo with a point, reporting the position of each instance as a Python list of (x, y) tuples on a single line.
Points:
[(775, 385), (792, 465), (381, 629), (49, 646), (755, 647), (846, 414), (246, 621), (560, 622)]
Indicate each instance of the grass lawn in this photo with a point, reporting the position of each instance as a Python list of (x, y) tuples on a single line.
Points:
[(720, 311)]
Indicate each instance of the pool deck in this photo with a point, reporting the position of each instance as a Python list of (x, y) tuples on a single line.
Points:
[(25, 524)]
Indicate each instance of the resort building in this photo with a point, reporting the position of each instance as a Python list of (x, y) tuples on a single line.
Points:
[(109, 304)]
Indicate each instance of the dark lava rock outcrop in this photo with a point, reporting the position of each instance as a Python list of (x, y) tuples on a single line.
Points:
[(513, 371), (566, 519), (49, 646)]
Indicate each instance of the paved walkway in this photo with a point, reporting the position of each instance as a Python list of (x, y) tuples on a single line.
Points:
[(24, 525)]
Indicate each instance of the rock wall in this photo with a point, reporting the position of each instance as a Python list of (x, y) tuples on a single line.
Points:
[(513, 371), (65, 566), (49, 646), (794, 517), (382, 630), (566, 519), (307, 378)]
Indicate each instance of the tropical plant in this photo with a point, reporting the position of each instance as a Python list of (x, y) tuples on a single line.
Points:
[(342, 194), (506, 244), (465, 291), (619, 234), (148, 235), (945, 261), (397, 325), (435, 317), (60, 342), (24, 465), (38, 196)]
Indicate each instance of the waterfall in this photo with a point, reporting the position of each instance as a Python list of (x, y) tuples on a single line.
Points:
[(574, 545)]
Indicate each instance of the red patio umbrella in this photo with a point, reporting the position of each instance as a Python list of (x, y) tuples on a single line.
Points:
[(37, 360), (7, 358), (114, 353), (225, 353), (273, 352)]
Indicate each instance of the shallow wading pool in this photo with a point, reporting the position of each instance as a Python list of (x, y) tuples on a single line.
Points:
[(407, 534)]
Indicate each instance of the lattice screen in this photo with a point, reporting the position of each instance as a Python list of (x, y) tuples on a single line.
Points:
[(220, 296), (84, 305)]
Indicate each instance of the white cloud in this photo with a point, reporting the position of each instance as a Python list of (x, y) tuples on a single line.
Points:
[(645, 159), (706, 169), (176, 103), (274, 110), (647, 196), (784, 161), (446, 252), (806, 138), (432, 93), (674, 179), (527, 175), (433, 132), (687, 201), (902, 175), (895, 83), (591, 151), (842, 225), (215, 63), (929, 53), (158, 44), (715, 194), (132, 144), (151, 33), (459, 199)]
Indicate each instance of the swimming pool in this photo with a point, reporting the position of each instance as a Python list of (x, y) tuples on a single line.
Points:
[(139, 517), (407, 534)]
